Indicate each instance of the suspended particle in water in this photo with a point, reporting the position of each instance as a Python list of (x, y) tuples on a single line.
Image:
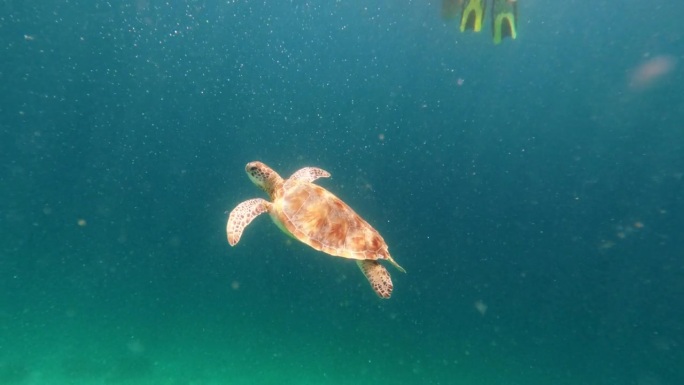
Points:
[(481, 307), (651, 71)]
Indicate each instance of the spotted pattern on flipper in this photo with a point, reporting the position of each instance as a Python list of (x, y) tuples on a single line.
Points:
[(309, 174), (241, 216), (378, 277)]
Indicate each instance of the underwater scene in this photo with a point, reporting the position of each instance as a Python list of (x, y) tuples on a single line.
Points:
[(452, 192)]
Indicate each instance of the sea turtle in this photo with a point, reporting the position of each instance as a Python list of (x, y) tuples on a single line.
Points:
[(315, 216)]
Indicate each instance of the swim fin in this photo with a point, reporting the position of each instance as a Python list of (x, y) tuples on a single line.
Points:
[(504, 19), (472, 14)]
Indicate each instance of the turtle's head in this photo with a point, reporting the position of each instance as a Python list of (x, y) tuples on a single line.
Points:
[(263, 176)]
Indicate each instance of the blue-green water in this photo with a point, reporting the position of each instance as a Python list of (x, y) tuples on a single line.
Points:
[(533, 191)]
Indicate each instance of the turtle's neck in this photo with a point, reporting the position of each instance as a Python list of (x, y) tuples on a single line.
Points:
[(273, 184)]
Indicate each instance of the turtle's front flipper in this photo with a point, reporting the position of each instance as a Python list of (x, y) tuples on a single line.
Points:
[(309, 174), (378, 277), (242, 215)]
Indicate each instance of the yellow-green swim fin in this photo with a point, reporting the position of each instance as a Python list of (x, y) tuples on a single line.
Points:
[(504, 19), (472, 15)]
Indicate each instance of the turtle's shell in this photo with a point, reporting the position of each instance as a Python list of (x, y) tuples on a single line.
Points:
[(318, 218)]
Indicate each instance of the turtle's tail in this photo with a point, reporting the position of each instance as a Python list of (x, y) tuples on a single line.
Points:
[(395, 264)]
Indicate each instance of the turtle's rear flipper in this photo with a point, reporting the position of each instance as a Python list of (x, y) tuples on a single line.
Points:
[(378, 277)]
